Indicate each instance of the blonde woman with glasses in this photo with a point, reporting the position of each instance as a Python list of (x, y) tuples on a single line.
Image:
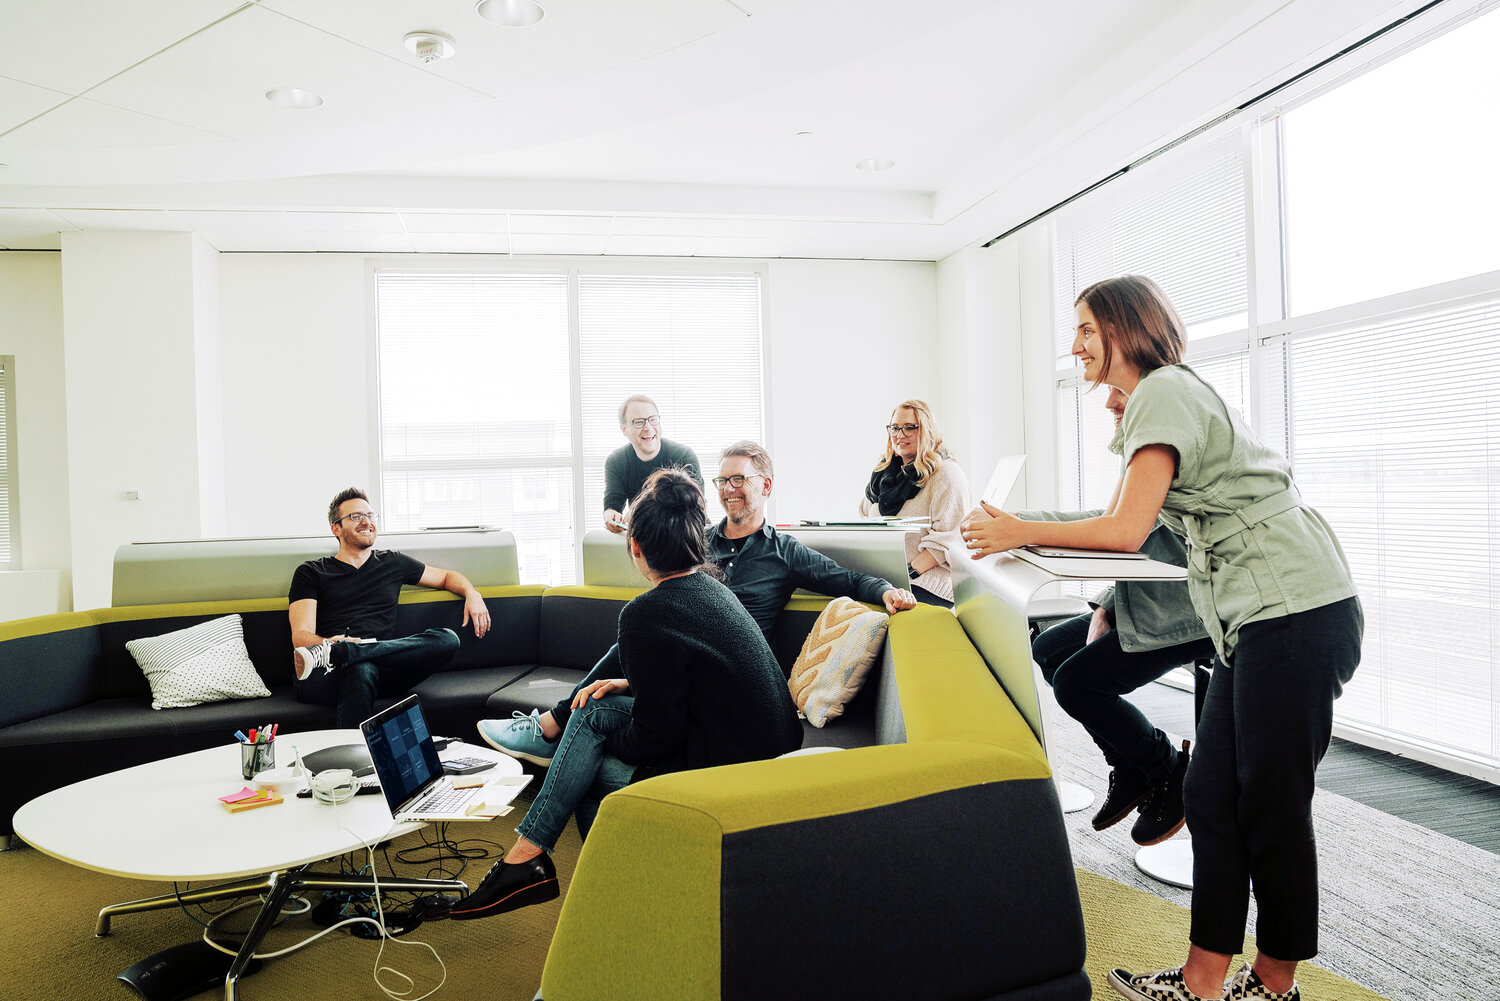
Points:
[(917, 477)]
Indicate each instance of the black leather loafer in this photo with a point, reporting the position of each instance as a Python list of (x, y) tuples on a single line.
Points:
[(508, 886)]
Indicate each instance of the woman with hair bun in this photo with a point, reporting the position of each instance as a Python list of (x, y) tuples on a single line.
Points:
[(917, 477), (701, 688)]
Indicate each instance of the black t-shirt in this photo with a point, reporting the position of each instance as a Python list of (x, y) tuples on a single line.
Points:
[(358, 602), (624, 472)]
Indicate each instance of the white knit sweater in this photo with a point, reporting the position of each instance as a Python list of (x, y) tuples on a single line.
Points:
[(945, 498)]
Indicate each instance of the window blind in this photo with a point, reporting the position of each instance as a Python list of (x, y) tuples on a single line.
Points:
[(691, 342), (479, 421), (1181, 224), (1401, 459), (475, 409)]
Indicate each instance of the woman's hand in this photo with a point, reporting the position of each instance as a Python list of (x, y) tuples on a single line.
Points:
[(990, 530), (599, 689)]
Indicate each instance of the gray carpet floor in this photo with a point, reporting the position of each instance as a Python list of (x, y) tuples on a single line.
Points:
[(1407, 912)]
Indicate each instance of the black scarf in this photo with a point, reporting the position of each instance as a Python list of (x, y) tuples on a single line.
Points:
[(892, 486)]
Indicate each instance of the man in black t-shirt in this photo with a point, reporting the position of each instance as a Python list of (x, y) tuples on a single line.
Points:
[(343, 615), (628, 466)]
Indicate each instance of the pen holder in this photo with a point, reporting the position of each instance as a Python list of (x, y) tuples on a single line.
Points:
[(256, 757)]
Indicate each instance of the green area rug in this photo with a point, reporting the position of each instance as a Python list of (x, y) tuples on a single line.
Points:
[(48, 949)]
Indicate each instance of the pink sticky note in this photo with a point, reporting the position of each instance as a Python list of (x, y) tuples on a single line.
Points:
[(235, 797)]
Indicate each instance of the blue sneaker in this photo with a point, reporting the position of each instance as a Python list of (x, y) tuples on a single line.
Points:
[(520, 737)]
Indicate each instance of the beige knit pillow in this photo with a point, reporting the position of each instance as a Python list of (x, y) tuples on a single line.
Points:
[(835, 658)]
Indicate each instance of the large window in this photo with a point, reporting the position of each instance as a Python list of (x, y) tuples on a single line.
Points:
[(1182, 223), (499, 391), (1357, 337)]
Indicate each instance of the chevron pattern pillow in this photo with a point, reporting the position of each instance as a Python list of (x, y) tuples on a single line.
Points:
[(203, 663), (835, 658)]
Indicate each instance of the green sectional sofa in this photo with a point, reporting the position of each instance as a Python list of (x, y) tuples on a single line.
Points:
[(928, 860), (934, 864)]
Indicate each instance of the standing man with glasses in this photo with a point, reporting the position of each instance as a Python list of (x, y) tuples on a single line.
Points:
[(628, 466), (343, 615), (761, 567)]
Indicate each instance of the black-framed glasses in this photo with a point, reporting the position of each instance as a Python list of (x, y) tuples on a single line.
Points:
[(736, 481), (640, 423), (901, 430), (359, 517)]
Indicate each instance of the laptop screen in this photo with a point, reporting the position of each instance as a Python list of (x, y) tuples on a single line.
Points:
[(401, 749)]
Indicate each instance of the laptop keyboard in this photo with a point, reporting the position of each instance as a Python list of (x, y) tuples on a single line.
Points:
[(443, 800)]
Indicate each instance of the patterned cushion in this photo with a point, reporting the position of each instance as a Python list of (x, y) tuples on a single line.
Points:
[(835, 658), (203, 663)]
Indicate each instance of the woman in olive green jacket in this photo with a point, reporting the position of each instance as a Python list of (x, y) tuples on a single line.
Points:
[(1271, 585)]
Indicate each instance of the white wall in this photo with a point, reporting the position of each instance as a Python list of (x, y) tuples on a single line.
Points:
[(980, 343), (298, 407), (130, 302), (845, 345), (31, 330), (247, 429), (848, 341)]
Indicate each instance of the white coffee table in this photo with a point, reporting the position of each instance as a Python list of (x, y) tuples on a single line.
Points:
[(163, 821)]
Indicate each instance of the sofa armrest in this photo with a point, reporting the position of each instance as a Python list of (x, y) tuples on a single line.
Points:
[(899, 871)]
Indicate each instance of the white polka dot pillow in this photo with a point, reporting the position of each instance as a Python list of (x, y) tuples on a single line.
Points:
[(203, 663)]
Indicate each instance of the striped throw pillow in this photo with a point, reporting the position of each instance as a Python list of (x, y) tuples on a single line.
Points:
[(203, 663), (835, 659)]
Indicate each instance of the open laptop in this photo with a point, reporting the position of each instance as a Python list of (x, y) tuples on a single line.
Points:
[(1003, 480), (411, 776)]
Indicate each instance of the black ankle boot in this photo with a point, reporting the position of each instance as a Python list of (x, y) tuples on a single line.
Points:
[(507, 886), (1126, 790), (1162, 815)]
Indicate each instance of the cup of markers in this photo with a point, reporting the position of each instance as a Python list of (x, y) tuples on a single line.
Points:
[(257, 749)]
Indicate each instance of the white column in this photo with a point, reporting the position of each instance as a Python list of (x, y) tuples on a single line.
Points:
[(144, 410)]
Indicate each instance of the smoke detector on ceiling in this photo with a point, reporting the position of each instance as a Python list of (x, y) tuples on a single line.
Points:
[(430, 46)]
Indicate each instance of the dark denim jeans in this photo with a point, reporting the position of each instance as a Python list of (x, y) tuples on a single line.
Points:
[(607, 667), (1088, 680), (581, 774), (1266, 724), (362, 672)]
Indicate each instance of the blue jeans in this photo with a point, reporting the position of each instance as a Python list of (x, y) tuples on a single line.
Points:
[(361, 672), (581, 774), (608, 667), (1088, 680)]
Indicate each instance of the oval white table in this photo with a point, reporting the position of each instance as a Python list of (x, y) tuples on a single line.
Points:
[(163, 821)]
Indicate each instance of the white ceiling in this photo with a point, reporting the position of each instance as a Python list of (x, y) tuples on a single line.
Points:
[(719, 128)]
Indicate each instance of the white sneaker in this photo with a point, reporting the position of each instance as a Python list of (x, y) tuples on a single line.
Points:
[(306, 659)]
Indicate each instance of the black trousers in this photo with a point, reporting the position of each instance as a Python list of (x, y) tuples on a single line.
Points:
[(1088, 680), (363, 672), (1266, 724)]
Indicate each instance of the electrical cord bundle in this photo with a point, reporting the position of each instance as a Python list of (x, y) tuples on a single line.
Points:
[(377, 922)]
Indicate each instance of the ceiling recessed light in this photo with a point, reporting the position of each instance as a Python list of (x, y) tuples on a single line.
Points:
[(803, 133), (293, 97), (430, 46), (510, 13), (876, 163)]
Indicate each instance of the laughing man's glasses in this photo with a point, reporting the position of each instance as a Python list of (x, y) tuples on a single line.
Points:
[(736, 481), (640, 422), (358, 517)]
